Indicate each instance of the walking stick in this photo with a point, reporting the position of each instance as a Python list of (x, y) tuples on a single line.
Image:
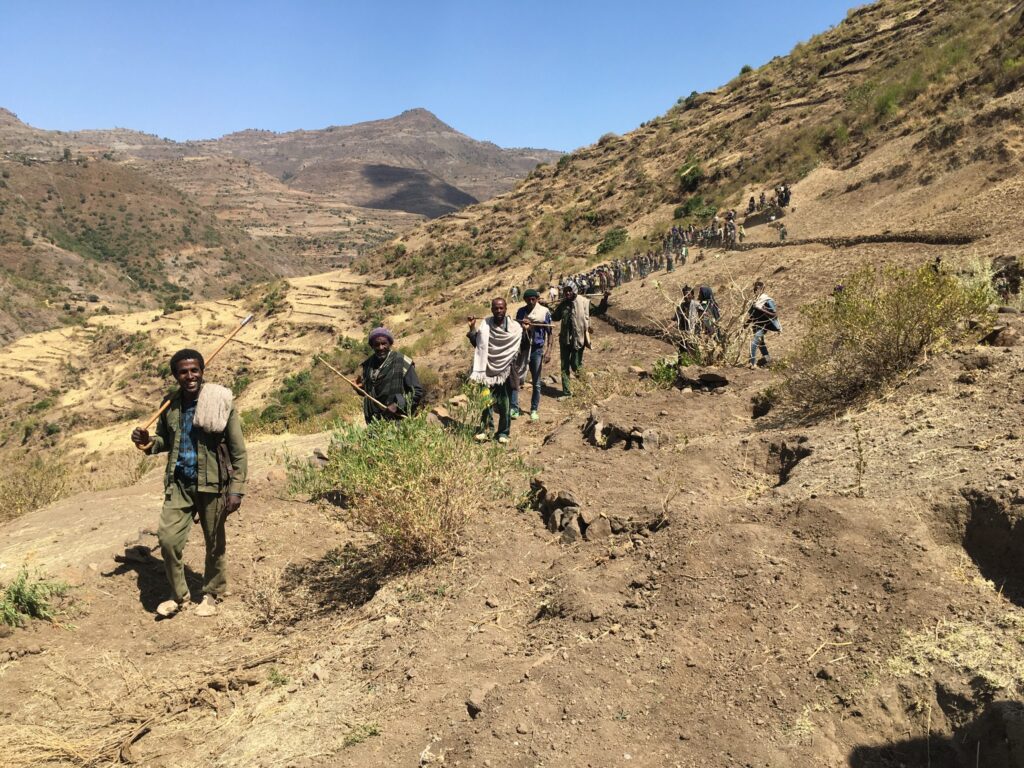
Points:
[(208, 360), (351, 383)]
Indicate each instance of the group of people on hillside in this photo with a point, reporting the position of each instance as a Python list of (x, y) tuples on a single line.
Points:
[(781, 196), (505, 350), (698, 315), (200, 430)]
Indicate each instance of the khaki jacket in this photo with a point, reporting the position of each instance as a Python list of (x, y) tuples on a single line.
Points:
[(168, 438)]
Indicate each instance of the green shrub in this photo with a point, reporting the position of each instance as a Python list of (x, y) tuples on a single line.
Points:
[(27, 485), (690, 177), (29, 597), (664, 372), (411, 483), (745, 69), (613, 238), (865, 336)]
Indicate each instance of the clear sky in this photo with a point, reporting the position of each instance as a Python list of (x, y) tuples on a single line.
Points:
[(554, 74)]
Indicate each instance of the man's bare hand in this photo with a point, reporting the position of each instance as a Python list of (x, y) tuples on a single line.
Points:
[(140, 437), (234, 501), (393, 408)]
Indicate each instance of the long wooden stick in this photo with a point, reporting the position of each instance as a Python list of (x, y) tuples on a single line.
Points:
[(207, 361), (351, 383)]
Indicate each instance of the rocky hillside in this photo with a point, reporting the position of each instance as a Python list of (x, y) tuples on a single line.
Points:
[(696, 578), (82, 237), (932, 81)]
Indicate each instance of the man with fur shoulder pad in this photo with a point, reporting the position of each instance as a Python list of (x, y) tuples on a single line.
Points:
[(204, 481)]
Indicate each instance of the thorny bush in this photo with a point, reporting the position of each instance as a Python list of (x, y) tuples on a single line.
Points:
[(863, 337)]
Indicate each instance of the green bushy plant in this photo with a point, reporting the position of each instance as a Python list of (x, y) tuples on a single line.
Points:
[(866, 335), (27, 597), (412, 483)]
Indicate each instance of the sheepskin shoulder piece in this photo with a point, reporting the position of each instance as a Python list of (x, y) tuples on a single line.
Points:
[(213, 408)]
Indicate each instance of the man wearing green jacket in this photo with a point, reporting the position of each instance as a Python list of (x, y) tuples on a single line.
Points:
[(205, 478)]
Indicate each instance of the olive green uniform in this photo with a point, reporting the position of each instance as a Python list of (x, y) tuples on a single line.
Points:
[(205, 498)]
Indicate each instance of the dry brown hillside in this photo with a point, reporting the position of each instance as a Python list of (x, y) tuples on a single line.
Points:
[(80, 237), (932, 82), (738, 588)]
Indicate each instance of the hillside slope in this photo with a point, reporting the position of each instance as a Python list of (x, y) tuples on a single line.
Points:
[(933, 83), (82, 237), (769, 590)]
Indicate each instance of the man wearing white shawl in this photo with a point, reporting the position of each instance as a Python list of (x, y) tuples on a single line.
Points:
[(498, 343), (763, 316)]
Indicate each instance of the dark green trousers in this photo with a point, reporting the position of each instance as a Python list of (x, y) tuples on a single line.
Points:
[(572, 361), (180, 502), (501, 403)]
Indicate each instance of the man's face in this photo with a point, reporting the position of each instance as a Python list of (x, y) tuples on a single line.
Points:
[(569, 294), (498, 309), (189, 376), (531, 301), (380, 345)]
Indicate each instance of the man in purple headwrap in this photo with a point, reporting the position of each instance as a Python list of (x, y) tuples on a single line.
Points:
[(390, 377)]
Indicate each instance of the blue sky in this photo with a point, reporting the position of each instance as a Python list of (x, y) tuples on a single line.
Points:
[(543, 74)]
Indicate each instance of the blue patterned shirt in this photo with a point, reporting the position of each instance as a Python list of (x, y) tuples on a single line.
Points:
[(186, 467)]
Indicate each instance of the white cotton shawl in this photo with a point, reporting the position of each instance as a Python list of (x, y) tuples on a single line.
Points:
[(496, 351), (213, 408)]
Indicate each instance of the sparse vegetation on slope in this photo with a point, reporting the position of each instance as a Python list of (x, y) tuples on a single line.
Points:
[(29, 597), (869, 333)]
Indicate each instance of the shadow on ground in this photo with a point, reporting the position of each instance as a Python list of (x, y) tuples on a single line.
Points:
[(994, 739), (346, 577), (150, 577)]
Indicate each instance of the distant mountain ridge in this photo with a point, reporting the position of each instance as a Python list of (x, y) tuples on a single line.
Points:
[(413, 162)]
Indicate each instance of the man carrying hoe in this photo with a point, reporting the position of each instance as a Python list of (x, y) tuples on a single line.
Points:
[(204, 481), (389, 377)]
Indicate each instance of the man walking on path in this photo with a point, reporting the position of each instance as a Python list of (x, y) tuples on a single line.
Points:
[(389, 377), (204, 479), (498, 342), (540, 338), (573, 312), (764, 317)]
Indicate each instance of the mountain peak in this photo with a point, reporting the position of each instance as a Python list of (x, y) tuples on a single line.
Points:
[(422, 118)]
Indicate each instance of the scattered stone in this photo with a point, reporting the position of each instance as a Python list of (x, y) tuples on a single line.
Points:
[(650, 438), (601, 528), (318, 673), (277, 475), (554, 520), (587, 516), (459, 400), (522, 729), (571, 532), (478, 698), (1002, 336), (491, 602)]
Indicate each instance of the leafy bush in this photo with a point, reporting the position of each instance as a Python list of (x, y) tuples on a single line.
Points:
[(690, 177), (664, 372), (866, 335), (29, 598), (745, 69), (613, 239), (410, 482)]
